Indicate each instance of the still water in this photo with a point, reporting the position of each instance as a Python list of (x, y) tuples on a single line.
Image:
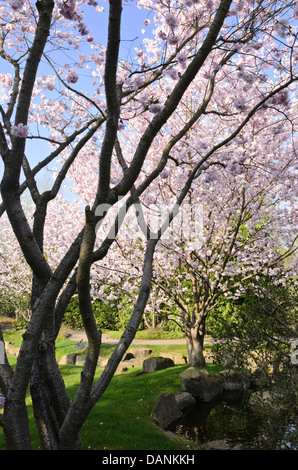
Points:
[(229, 417)]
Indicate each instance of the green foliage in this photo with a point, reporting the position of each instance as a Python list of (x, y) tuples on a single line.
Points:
[(106, 316), (6, 306), (114, 315), (125, 308), (20, 324), (262, 313)]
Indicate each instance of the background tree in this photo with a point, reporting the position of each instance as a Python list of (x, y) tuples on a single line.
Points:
[(79, 108), (240, 243)]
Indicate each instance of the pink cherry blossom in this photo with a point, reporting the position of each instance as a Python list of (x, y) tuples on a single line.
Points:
[(173, 74), (173, 40), (72, 76), (16, 4), (240, 104), (164, 174), (181, 59), (155, 108), (209, 5), (171, 21), (68, 9), (19, 130)]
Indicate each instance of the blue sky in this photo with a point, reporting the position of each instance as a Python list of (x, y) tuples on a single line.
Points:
[(97, 22), (131, 36), (131, 27)]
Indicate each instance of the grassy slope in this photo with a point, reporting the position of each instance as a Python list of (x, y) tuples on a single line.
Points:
[(122, 418)]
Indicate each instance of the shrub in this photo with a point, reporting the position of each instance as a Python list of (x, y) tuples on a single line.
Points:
[(106, 317)]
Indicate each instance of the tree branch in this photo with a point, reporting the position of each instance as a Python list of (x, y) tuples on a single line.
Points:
[(173, 100), (111, 91)]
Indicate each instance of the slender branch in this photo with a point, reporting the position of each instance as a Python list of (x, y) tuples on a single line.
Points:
[(62, 173), (172, 102), (131, 329), (111, 91), (13, 161)]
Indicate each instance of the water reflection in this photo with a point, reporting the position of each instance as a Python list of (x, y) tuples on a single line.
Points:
[(227, 417)]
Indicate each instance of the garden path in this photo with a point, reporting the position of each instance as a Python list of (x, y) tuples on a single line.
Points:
[(80, 335)]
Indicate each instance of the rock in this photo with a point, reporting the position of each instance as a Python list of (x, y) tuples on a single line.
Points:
[(177, 358), (102, 362), (122, 367), (152, 364), (80, 360), (221, 444), (135, 357), (209, 356), (232, 381), (200, 384), (184, 400), (69, 359), (166, 410), (138, 354), (128, 356), (267, 402)]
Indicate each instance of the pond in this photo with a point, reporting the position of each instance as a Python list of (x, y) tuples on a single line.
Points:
[(230, 417)]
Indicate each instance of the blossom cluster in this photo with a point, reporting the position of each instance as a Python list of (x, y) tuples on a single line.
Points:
[(280, 99), (155, 108), (68, 9), (16, 4), (20, 130), (46, 82), (72, 76)]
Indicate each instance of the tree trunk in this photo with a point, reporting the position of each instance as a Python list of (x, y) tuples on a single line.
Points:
[(16, 425), (195, 346), (49, 397)]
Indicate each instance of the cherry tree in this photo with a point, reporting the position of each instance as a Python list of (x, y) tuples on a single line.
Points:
[(114, 129), (245, 237), (221, 242), (15, 273)]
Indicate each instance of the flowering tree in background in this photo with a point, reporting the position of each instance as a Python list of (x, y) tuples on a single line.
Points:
[(204, 73), (246, 236)]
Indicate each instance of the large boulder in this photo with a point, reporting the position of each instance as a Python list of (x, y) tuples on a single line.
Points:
[(232, 381), (152, 364), (200, 384), (166, 410), (80, 360), (177, 358), (137, 354), (184, 400), (102, 362)]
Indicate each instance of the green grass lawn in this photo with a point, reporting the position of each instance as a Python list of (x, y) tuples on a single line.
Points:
[(121, 420)]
